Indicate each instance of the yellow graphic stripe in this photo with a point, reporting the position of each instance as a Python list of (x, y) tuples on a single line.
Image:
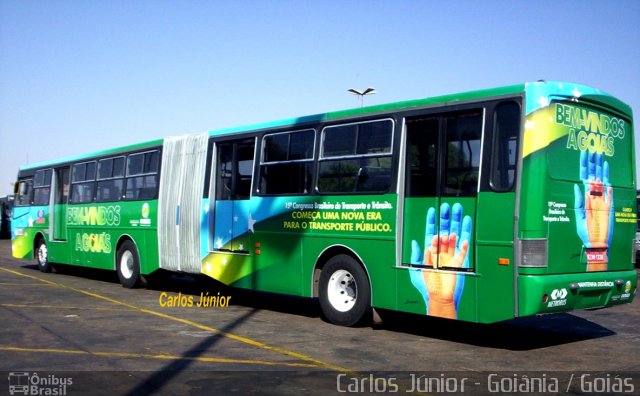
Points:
[(154, 357), (540, 130), (245, 340)]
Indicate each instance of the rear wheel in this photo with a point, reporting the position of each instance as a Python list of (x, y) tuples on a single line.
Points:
[(345, 293), (128, 265), (42, 256)]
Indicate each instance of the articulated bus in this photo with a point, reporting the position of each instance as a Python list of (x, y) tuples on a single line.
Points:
[(481, 206)]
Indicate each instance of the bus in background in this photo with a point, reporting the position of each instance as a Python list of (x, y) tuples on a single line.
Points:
[(6, 205), (481, 206)]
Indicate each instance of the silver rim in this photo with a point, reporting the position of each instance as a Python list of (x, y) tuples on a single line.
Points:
[(342, 291), (126, 264), (42, 254)]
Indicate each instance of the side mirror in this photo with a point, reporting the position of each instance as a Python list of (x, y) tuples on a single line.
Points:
[(21, 188)]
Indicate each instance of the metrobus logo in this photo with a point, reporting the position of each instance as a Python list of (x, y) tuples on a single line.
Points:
[(558, 294), (558, 298)]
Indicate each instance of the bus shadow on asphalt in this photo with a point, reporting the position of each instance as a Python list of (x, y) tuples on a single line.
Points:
[(518, 334), (194, 285), (80, 272)]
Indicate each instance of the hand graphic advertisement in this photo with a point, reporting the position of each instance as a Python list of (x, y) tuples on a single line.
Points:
[(594, 209), (447, 249)]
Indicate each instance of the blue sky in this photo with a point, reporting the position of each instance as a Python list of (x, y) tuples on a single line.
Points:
[(78, 76)]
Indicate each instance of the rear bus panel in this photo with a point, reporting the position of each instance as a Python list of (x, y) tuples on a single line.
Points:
[(577, 211)]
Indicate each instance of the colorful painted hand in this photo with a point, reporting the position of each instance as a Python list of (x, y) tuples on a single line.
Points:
[(447, 250), (594, 209)]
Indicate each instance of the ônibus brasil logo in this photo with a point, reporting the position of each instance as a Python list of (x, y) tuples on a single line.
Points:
[(23, 383)]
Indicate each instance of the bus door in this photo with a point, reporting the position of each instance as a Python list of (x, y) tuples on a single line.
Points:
[(61, 199), (442, 166), (234, 170)]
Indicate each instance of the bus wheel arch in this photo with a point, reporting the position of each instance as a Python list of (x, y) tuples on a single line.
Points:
[(127, 263), (342, 284), (41, 253)]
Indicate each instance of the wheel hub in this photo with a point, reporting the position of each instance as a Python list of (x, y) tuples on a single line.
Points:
[(126, 264), (342, 290)]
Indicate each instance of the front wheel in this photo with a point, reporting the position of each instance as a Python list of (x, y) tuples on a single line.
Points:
[(128, 265), (42, 256), (345, 293)]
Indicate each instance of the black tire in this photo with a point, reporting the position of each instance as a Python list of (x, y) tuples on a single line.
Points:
[(42, 256), (128, 265), (345, 293)]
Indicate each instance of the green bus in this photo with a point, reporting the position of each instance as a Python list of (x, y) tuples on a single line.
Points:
[(480, 206)]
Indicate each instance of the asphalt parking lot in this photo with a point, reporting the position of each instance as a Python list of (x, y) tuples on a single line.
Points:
[(79, 332)]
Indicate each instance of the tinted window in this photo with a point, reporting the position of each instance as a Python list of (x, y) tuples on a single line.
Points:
[(110, 167), (276, 147), (42, 187), (42, 178), (135, 164), (422, 158), (301, 145), (110, 179), (287, 178), (142, 175), (142, 187), (356, 158), (287, 163), (369, 174), (358, 139), (463, 145), (339, 141), (83, 182), (506, 130)]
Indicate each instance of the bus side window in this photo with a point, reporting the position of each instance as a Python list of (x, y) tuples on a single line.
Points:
[(287, 163), (225, 173), (110, 179), (422, 158), (142, 176), (83, 182), (234, 170), (463, 154), (245, 153), (42, 187), (506, 130), (356, 158)]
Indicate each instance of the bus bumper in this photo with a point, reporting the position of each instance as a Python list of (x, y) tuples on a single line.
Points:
[(539, 294)]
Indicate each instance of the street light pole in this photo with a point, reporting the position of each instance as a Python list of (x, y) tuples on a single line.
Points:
[(361, 94)]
